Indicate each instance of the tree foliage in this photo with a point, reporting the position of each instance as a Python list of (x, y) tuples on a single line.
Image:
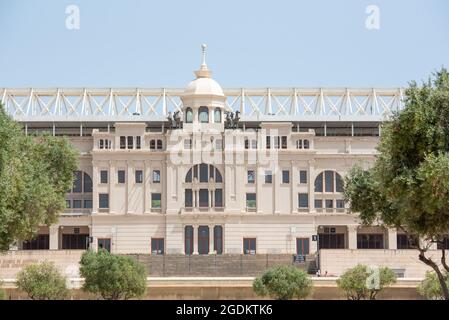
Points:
[(111, 276), (430, 287), (361, 283), (408, 186), (2, 292), (42, 281), (283, 283), (35, 174)]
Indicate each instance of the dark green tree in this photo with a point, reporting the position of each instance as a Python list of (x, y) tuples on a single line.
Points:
[(283, 283), (408, 186), (111, 276), (430, 287), (35, 174)]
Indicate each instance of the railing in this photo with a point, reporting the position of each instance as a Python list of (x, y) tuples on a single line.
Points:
[(77, 212)]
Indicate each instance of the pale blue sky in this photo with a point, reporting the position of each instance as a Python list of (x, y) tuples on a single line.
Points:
[(251, 43)]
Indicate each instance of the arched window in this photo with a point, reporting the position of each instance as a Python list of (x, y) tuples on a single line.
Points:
[(203, 115), (217, 115), (80, 195), (329, 189), (204, 187), (189, 115)]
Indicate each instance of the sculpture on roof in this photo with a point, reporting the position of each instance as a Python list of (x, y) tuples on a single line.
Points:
[(232, 119), (174, 121)]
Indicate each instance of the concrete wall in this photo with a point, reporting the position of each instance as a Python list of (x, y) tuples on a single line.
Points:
[(336, 261)]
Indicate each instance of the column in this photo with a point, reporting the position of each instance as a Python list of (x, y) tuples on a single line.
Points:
[(352, 237), (195, 239), (54, 237), (211, 239), (392, 238)]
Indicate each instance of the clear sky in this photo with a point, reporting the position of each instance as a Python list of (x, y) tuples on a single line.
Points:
[(251, 43)]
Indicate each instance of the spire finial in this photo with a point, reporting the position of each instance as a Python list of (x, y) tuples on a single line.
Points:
[(203, 63), (204, 71)]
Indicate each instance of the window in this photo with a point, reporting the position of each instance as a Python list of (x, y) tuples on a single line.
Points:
[(298, 144), (302, 176), (77, 183), (75, 241), (203, 240), (318, 203), (285, 176), (302, 246), (268, 176), (139, 176), (105, 244), (152, 144), (246, 144), (268, 140), (156, 144), (121, 176), (329, 203), (203, 172), (217, 115), (101, 143), (77, 204), (88, 204), (284, 142), (188, 144), (331, 180), (188, 240), (251, 176), (443, 244), (339, 183), (218, 239), (331, 241), (130, 142), (370, 241), (138, 139), (40, 242), (251, 200), (103, 176), (188, 202), (204, 198), (249, 245), (157, 245), (156, 200), (403, 241), (103, 200), (340, 203), (306, 144), (218, 198), (219, 144), (303, 200), (122, 142), (203, 115), (156, 176), (87, 183), (159, 144), (189, 115)]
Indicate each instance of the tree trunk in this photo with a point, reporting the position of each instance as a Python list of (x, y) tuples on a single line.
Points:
[(434, 266)]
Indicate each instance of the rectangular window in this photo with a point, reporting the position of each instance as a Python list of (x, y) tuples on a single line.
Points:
[(130, 142), (370, 241), (318, 203), (329, 203), (246, 144), (204, 198), (157, 245), (403, 242), (77, 204), (139, 176), (302, 176), (218, 197), (138, 142), (77, 182), (331, 241), (329, 181), (104, 243), (41, 242), (340, 204), (156, 176), (203, 172), (101, 143), (284, 142), (156, 200), (303, 200), (218, 239), (103, 176), (159, 144), (121, 176), (87, 183), (268, 139), (249, 245), (152, 144), (103, 200), (251, 200), (188, 198), (75, 241), (268, 176), (285, 176), (122, 142), (188, 240), (302, 246), (88, 204), (251, 176), (338, 183)]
